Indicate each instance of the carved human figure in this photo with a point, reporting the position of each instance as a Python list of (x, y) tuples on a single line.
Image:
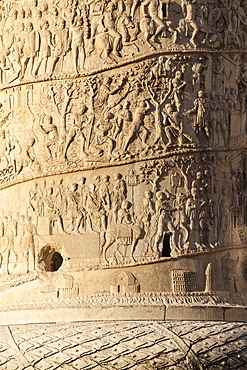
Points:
[(124, 27), (105, 91), (50, 136), (42, 194), (147, 212), (190, 19), (202, 20), (176, 181), (8, 50), (20, 38), (52, 212), (105, 192), (147, 27), (198, 68), (221, 124), (158, 70), (199, 183), (4, 245), (13, 149), (12, 20), (76, 35), (33, 201), (60, 42), (110, 25), (125, 215), (123, 120), (204, 221), (20, 229), (178, 85), (10, 257), (137, 125), (69, 11), (153, 9), (75, 128), (83, 191), (214, 211), (14, 51), (200, 110), (228, 107), (223, 222), (28, 13), (128, 6), (182, 236), (213, 111), (30, 49), (4, 61), (28, 245), (235, 18), (4, 151), (237, 194), (37, 19), (83, 197), (72, 206), (242, 80), (52, 16), (119, 194), (27, 157), (174, 128), (96, 16), (92, 206), (208, 274), (45, 48), (102, 143), (219, 72), (60, 194), (192, 211), (164, 223)]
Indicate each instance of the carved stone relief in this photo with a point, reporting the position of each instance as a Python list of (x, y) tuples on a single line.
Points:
[(184, 281), (151, 109), (129, 214), (123, 283), (44, 40), (123, 138)]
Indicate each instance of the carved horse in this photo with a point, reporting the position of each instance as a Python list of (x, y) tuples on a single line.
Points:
[(122, 235), (103, 43)]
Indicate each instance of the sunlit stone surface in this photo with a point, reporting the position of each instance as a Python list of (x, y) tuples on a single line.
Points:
[(123, 184)]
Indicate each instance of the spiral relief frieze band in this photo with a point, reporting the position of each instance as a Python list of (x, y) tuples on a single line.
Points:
[(123, 167)]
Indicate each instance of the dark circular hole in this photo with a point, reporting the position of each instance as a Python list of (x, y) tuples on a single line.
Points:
[(57, 261), (50, 259)]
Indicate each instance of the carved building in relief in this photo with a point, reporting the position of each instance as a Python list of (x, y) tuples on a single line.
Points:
[(123, 156)]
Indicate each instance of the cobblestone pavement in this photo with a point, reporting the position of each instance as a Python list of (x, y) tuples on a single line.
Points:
[(124, 345)]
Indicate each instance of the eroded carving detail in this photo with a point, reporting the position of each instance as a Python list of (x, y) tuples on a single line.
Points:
[(143, 111), (122, 143), (52, 39)]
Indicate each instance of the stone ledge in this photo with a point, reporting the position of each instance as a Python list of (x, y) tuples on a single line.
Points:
[(125, 313), (34, 316), (206, 313)]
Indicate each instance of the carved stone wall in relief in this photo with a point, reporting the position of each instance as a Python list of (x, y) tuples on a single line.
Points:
[(46, 39), (123, 163)]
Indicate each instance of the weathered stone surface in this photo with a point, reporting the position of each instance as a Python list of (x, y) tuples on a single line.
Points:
[(125, 345), (123, 177), (123, 145)]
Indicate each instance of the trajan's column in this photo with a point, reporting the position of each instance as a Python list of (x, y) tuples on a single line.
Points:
[(123, 184)]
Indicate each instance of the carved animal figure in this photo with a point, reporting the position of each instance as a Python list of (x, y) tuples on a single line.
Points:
[(126, 235), (104, 45)]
